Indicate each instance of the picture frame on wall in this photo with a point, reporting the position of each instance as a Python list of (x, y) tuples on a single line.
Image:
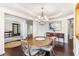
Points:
[(55, 26)]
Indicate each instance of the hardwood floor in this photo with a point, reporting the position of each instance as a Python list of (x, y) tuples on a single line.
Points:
[(59, 50)]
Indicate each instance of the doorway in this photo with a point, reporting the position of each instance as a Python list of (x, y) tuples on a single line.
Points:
[(70, 33), (29, 29), (15, 29)]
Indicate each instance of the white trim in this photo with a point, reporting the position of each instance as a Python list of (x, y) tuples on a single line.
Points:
[(13, 12), (2, 52)]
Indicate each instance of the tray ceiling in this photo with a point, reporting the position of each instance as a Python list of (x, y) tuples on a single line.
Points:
[(33, 10)]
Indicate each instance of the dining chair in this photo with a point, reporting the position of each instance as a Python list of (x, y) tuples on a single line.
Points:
[(48, 48), (39, 38), (27, 49)]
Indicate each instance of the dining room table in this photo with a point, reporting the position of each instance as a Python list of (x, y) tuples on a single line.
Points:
[(31, 42), (38, 43)]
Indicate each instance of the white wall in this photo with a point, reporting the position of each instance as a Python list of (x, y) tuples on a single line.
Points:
[(8, 25), (24, 29), (29, 27), (42, 29), (39, 29), (9, 19), (1, 32), (12, 12)]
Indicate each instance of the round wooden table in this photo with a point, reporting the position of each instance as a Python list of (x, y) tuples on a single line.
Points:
[(37, 43), (12, 44), (33, 43)]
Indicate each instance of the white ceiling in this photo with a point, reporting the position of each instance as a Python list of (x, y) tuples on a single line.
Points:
[(33, 10)]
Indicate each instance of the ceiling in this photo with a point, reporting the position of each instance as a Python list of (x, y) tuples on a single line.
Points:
[(33, 10)]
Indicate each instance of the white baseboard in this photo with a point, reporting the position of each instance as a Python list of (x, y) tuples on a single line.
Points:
[(74, 52), (2, 52)]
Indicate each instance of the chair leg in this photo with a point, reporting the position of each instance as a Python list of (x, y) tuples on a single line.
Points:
[(50, 53), (53, 52)]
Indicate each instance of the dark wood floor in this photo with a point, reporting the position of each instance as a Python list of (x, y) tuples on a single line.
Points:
[(60, 50)]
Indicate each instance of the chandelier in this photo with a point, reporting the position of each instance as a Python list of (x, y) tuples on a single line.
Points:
[(42, 19)]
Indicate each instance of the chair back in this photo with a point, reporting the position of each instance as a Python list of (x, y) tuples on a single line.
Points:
[(40, 38), (54, 39), (25, 47)]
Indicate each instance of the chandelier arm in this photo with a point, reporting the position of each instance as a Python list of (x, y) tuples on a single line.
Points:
[(42, 19), (42, 14)]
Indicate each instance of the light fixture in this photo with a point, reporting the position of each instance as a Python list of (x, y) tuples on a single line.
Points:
[(42, 19)]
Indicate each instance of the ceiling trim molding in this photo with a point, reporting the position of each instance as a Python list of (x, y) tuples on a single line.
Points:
[(65, 18), (15, 13)]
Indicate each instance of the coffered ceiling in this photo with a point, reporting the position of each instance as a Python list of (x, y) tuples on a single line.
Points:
[(33, 10)]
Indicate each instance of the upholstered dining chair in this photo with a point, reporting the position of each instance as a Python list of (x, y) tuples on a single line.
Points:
[(27, 49), (39, 38), (48, 48)]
